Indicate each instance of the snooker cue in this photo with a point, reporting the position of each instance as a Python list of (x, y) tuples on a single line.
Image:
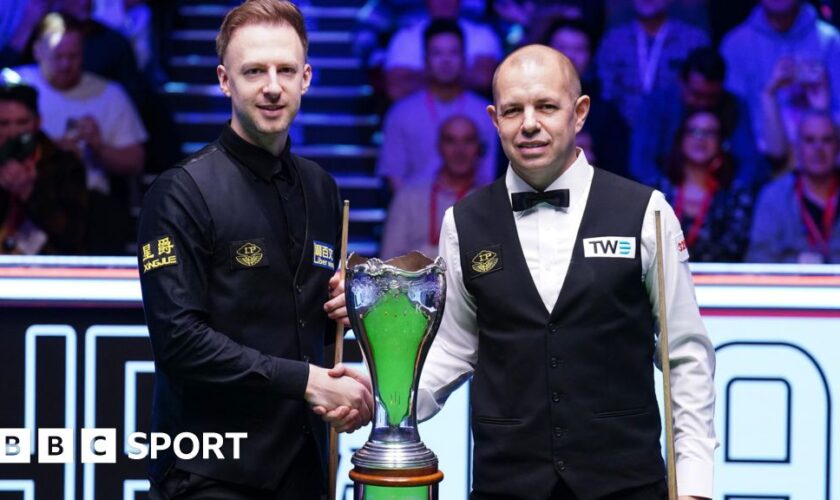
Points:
[(339, 347), (666, 366)]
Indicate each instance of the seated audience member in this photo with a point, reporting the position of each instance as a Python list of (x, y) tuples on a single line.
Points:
[(796, 214), (83, 113), (714, 210), (410, 129), (106, 51), (700, 88), (109, 54), (780, 124), (783, 50), (406, 50), (644, 56), (416, 212), (43, 199), (605, 136)]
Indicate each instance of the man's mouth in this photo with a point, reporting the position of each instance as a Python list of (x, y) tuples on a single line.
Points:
[(270, 110), (532, 145)]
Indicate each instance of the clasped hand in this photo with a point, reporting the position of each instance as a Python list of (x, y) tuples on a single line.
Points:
[(341, 396)]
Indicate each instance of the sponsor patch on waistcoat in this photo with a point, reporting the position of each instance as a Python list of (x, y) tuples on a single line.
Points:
[(247, 254), (485, 260), (158, 253), (621, 247), (323, 255)]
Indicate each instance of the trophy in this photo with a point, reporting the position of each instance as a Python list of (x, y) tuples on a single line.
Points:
[(395, 308)]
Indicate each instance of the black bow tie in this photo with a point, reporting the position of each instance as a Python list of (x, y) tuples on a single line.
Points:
[(523, 201)]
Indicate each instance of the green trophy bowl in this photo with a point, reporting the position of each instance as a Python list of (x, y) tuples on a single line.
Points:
[(395, 308)]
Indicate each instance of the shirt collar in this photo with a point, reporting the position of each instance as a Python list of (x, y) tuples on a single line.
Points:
[(257, 160), (575, 179)]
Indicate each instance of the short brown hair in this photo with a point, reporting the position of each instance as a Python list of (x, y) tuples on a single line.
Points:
[(261, 12)]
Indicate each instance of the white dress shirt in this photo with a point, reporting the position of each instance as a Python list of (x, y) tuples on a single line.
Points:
[(453, 354)]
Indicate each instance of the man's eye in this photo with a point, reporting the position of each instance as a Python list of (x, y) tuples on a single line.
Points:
[(253, 71), (510, 112)]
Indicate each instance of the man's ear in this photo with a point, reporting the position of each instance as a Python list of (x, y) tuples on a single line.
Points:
[(224, 81), (491, 112), (307, 77), (581, 111)]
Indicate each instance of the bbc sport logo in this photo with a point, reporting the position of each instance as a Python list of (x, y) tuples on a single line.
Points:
[(99, 446)]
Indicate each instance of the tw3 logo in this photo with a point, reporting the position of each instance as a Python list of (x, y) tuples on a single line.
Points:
[(621, 247)]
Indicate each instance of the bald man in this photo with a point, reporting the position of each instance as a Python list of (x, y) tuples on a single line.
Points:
[(551, 308)]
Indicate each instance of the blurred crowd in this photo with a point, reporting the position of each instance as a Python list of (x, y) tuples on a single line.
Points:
[(729, 108), (81, 119)]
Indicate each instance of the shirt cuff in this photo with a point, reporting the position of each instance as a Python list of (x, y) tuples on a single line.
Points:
[(695, 478), (290, 377), (427, 407)]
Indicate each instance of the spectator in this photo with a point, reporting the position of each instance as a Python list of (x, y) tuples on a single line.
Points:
[(796, 215), (605, 135), (405, 55), (411, 126), (416, 212), (811, 83), (86, 114), (107, 52), (641, 57), (110, 55), (714, 209), (700, 88), (785, 36), (43, 198)]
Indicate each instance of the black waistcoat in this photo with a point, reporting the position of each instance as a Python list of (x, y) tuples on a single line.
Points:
[(275, 307), (566, 394)]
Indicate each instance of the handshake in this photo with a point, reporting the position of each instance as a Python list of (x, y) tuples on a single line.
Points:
[(341, 396)]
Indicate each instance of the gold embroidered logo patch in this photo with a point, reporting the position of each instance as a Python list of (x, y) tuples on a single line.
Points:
[(485, 261), (158, 253), (249, 254)]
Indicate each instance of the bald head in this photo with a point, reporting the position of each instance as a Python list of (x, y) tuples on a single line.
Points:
[(540, 56), (537, 109)]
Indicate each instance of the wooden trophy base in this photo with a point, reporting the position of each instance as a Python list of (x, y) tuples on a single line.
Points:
[(418, 484)]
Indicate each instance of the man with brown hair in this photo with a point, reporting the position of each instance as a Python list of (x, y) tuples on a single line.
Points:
[(237, 257)]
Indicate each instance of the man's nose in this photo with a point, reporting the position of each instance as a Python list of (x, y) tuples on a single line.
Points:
[(272, 85), (530, 124)]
